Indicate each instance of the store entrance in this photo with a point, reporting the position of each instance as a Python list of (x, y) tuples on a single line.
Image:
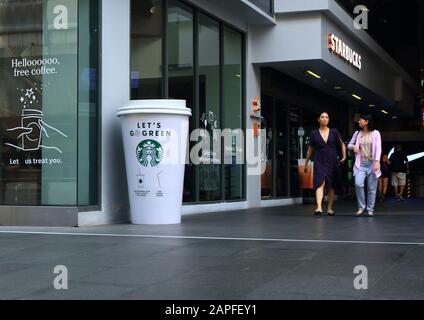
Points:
[(290, 110), (276, 181)]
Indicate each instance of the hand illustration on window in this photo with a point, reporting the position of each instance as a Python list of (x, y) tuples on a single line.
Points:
[(29, 135)]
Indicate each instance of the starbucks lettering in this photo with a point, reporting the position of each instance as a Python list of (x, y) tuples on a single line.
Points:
[(341, 49)]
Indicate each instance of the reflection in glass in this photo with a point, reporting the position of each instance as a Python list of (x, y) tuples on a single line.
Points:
[(232, 87), (181, 71), (209, 105), (146, 49), (267, 177), (39, 72), (295, 123), (38, 112), (282, 150), (88, 103), (202, 183)]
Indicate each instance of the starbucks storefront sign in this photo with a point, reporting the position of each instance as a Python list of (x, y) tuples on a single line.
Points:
[(155, 142)]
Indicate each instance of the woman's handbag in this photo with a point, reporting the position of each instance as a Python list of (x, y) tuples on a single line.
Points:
[(342, 179), (306, 179)]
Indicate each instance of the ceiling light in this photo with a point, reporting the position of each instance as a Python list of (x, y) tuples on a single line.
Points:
[(384, 111), (313, 74), (414, 157), (356, 97), (372, 105), (411, 157)]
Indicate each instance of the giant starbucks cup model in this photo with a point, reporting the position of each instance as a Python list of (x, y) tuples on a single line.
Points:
[(155, 142)]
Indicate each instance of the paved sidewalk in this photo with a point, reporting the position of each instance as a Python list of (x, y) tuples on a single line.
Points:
[(273, 253)]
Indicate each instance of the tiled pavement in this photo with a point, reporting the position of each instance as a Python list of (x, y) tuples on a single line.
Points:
[(273, 253)]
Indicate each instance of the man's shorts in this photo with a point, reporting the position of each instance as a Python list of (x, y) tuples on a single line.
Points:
[(398, 179)]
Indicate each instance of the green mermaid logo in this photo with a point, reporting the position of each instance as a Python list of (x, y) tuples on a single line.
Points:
[(149, 152)]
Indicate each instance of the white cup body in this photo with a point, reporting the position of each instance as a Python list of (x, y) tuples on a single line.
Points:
[(155, 146)]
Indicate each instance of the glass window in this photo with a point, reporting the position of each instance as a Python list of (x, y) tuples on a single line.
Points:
[(181, 71), (209, 77), (146, 49), (232, 111), (265, 5), (88, 103), (282, 153), (39, 116), (295, 123), (209, 105), (267, 177), (276, 179)]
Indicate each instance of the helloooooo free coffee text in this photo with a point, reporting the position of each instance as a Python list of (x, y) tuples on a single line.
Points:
[(34, 67)]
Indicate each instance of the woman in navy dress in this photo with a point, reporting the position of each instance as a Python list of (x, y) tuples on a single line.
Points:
[(324, 143)]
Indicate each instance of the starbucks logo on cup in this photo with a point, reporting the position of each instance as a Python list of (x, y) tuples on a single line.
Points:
[(149, 152)]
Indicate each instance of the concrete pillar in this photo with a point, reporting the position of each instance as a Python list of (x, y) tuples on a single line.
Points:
[(253, 89), (115, 84)]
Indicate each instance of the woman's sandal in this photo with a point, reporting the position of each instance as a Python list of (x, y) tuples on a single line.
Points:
[(318, 213), (331, 213)]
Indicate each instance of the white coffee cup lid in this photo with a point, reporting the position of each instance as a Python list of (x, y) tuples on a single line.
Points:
[(165, 106)]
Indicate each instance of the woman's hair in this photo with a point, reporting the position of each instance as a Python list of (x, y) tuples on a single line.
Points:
[(370, 119), (321, 113)]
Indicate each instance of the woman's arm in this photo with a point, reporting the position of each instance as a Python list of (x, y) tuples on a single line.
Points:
[(308, 157), (352, 144), (379, 151), (344, 153), (343, 146), (379, 148), (353, 141)]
